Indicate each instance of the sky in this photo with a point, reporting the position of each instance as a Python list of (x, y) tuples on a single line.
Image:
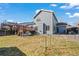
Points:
[(24, 12)]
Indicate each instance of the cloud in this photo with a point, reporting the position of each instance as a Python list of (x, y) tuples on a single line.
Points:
[(19, 22), (10, 21), (77, 8), (38, 10), (4, 6), (69, 5), (72, 16), (68, 13), (75, 15), (66, 7), (54, 5)]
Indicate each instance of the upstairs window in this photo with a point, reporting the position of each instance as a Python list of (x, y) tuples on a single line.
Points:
[(38, 20)]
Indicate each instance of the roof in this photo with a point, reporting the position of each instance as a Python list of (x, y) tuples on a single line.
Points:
[(9, 23), (27, 23), (49, 11), (61, 23), (72, 28)]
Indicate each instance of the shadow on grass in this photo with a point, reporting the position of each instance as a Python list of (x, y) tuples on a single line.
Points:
[(11, 51)]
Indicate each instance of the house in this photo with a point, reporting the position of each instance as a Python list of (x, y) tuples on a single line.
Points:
[(26, 28), (8, 28), (11, 28), (29, 24), (61, 28), (72, 29), (1, 31), (78, 27), (45, 21)]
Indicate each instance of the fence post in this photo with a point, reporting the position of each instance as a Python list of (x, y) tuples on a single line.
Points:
[(45, 45)]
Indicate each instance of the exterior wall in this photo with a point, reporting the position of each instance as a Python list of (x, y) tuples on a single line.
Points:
[(48, 19), (78, 28), (0, 26), (54, 22), (62, 29)]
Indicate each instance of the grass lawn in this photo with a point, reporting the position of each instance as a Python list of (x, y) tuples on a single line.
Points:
[(57, 45)]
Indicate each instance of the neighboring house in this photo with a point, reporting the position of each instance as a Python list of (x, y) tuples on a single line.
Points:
[(8, 28), (72, 29), (61, 28), (0, 26), (1, 32), (29, 24), (26, 28), (78, 28), (45, 21)]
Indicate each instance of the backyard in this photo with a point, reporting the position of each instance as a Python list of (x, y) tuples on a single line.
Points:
[(41, 45)]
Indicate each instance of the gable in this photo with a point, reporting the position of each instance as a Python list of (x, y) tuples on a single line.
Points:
[(42, 11), (53, 15)]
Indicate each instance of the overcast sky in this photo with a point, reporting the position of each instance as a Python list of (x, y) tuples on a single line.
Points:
[(24, 12)]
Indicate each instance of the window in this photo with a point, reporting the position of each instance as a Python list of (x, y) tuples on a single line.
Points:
[(47, 27), (36, 28), (38, 20)]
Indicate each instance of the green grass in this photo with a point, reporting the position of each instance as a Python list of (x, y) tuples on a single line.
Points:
[(43, 45)]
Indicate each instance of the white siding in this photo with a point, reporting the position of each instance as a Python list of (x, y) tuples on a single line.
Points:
[(48, 19)]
